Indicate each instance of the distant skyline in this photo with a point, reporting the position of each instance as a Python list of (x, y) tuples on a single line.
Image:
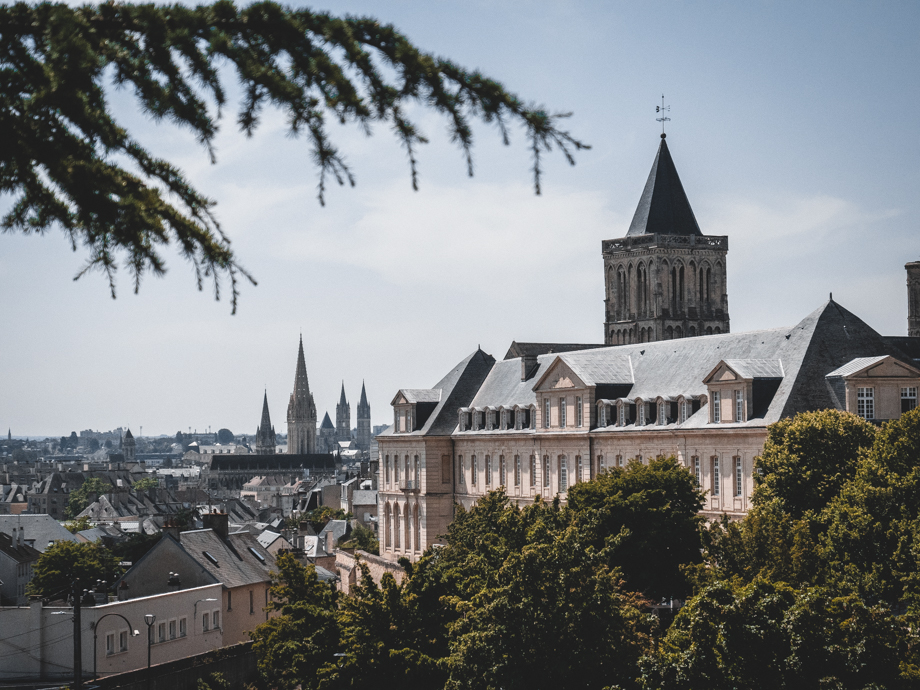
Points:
[(794, 128)]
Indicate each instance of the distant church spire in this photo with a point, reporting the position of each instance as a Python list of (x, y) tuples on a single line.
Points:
[(343, 418), (265, 432), (301, 416), (363, 438)]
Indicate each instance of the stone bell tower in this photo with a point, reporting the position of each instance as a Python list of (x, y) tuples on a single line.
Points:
[(665, 279)]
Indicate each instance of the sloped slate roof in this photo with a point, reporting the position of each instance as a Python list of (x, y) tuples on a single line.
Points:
[(38, 529), (517, 350), (663, 207), (855, 365), (236, 564), (364, 497), (417, 395), (757, 368), (327, 423)]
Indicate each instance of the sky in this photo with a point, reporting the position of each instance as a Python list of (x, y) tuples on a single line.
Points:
[(794, 128)]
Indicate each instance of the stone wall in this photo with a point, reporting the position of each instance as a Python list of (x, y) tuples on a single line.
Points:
[(237, 664), (346, 565)]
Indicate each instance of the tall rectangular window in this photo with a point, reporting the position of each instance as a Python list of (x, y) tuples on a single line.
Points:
[(545, 470), (488, 470), (123, 640), (386, 471), (172, 629), (716, 408), (865, 403), (205, 622), (662, 413), (716, 477), (619, 460), (562, 409), (908, 399), (546, 413), (474, 471), (110, 644), (461, 471), (396, 469), (418, 473), (215, 619), (183, 627), (622, 414), (641, 413), (533, 471), (517, 470), (697, 471), (579, 413), (579, 470), (739, 406), (600, 464), (502, 475), (739, 481), (563, 474)]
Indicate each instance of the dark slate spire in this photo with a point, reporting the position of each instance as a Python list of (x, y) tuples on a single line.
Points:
[(266, 419), (327, 422), (363, 401), (664, 208), (301, 384), (342, 400)]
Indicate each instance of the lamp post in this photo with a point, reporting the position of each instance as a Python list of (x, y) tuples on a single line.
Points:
[(149, 619), (134, 633), (195, 614)]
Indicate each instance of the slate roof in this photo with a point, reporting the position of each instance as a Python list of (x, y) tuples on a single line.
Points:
[(267, 538), (327, 423), (364, 497), (19, 554), (800, 355), (855, 365), (38, 530), (517, 349), (236, 565), (417, 395), (663, 207)]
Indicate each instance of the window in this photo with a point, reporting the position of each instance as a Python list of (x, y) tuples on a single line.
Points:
[(502, 475), (488, 470), (517, 470), (739, 406), (533, 471), (619, 460), (600, 464), (662, 413), (229, 600), (123, 640), (251, 603), (639, 457), (641, 414), (562, 413), (183, 627), (215, 619), (205, 622), (563, 474), (622, 415), (602, 416), (418, 474), (172, 629), (545, 470), (579, 413), (908, 399), (396, 469), (546, 413), (716, 479), (161, 632), (697, 471), (579, 470), (865, 403), (110, 644), (739, 482), (716, 408), (461, 470), (386, 471), (474, 471)]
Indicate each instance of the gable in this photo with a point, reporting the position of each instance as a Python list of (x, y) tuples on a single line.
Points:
[(888, 368), (559, 376), (721, 373)]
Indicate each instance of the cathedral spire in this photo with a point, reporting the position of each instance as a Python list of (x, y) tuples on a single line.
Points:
[(663, 208), (363, 401), (265, 433), (301, 382), (266, 418), (301, 416), (342, 400)]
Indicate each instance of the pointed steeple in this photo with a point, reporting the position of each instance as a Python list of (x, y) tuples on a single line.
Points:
[(342, 400), (266, 422), (664, 208), (327, 423), (363, 401), (301, 383), (301, 415)]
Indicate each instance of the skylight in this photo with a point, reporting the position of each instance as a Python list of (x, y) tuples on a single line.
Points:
[(211, 558), (257, 555)]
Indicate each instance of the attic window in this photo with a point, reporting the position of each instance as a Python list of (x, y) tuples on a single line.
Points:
[(211, 558), (257, 555)]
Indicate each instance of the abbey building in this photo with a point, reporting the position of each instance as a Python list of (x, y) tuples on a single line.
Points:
[(670, 379)]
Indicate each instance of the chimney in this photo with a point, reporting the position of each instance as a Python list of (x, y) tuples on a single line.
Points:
[(913, 299), (219, 522), (528, 366), (171, 528)]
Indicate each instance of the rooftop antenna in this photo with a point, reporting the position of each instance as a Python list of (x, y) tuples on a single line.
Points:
[(662, 109)]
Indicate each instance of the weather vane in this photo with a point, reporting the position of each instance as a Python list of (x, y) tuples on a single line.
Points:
[(662, 109)]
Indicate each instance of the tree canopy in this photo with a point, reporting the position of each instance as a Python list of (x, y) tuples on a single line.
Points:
[(69, 163), (80, 498), (68, 564)]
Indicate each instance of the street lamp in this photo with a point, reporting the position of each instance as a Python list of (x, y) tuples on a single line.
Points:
[(134, 633), (195, 614), (149, 619)]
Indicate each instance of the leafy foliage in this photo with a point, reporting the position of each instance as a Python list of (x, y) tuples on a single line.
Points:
[(70, 164), (67, 562), (318, 517), (362, 538), (146, 484), (82, 497), (78, 525)]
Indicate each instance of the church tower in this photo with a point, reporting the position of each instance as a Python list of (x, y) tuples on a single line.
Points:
[(343, 418), (129, 447), (913, 299), (326, 441), (665, 279), (301, 415), (364, 422), (265, 432)]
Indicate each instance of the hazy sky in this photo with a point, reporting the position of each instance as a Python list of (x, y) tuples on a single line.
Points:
[(794, 130)]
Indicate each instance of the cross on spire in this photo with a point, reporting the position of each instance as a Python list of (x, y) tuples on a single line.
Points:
[(664, 118)]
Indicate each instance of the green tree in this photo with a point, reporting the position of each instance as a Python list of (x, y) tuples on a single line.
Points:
[(362, 538), (655, 507), (80, 498), (78, 524), (304, 636), (135, 546), (68, 163), (225, 436), (807, 459), (318, 517), (146, 484), (67, 562)]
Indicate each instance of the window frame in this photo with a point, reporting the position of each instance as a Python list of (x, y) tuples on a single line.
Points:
[(865, 402), (546, 412), (716, 476), (579, 412), (716, 404), (908, 398), (563, 409), (739, 405), (739, 477), (563, 474)]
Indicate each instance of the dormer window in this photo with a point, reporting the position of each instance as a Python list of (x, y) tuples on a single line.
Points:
[(716, 407), (621, 410), (641, 405), (662, 413), (546, 410)]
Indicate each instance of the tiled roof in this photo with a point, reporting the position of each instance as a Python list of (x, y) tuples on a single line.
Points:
[(855, 365), (533, 349), (757, 368), (236, 564), (364, 497), (417, 395)]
